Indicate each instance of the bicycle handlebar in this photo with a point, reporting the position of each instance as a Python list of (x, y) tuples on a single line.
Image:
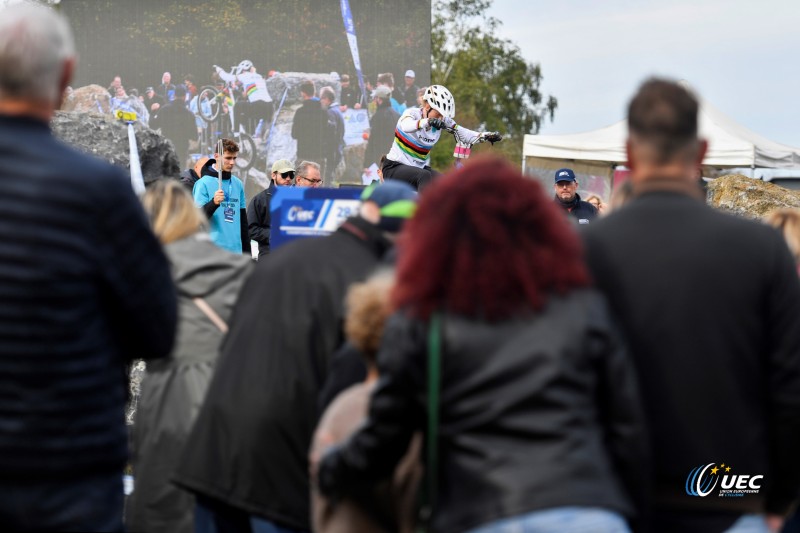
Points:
[(490, 136)]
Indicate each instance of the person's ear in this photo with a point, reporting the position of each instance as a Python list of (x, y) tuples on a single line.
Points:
[(702, 149), (66, 76), (629, 154)]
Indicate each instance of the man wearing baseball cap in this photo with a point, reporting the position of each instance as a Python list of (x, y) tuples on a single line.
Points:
[(566, 187), (258, 216), (410, 89)]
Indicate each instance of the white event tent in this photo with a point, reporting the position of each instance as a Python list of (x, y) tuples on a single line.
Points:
[(597, 152)]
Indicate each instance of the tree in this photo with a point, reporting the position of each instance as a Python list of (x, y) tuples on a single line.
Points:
[(494, 86)]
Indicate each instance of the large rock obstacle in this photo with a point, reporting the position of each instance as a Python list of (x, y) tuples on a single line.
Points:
[(749, 197), (107, 138)]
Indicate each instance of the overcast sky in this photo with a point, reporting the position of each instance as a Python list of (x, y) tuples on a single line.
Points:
[(741, 55)]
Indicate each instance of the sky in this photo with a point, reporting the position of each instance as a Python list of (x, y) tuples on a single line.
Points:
[(743, 56)]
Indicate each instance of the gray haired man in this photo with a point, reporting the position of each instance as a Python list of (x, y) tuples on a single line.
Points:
[(84, 289)]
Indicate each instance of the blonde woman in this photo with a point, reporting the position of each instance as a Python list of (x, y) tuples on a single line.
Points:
[(207, 279), (598, 203)]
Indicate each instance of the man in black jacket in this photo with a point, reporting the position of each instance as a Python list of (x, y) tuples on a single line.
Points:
[(310, 126), (250, 443), (381, 127), (177, 124), (710, 304), (84, 289), (259, 218), (566, 187), (334, 141)]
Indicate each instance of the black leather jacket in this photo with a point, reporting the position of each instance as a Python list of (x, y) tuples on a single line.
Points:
[(537, 412)]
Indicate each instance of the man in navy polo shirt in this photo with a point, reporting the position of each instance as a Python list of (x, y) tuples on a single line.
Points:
[(566, 187)]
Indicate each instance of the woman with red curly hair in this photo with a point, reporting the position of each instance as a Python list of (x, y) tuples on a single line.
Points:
[(540, 427)]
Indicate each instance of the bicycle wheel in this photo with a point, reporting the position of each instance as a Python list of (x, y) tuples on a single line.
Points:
[(247, 152), (208, 103)]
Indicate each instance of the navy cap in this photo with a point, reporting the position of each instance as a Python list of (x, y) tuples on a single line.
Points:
[(565, 174)]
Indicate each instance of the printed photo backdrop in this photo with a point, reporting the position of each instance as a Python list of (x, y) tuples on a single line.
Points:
[(287, 42)]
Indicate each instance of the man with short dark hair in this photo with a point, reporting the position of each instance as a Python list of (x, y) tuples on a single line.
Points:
[(310, 125), (85, 289), (710, 305), (566, 187), (259, 217), (386, 79), (177, 124), (334, 139), (191, 86), (350, 96)]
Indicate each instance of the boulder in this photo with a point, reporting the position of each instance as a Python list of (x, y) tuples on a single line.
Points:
[(89, 99), (107, 138), (354, 163), (749, 197)]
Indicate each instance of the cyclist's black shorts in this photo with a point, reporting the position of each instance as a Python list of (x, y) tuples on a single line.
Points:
[(419, 178)]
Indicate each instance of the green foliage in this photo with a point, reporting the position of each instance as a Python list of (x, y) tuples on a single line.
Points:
[(494, 86)]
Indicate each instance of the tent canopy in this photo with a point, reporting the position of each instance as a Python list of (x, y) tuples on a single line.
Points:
[(729, 145)]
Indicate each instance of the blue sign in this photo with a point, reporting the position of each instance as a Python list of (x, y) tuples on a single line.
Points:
[(298, 212)]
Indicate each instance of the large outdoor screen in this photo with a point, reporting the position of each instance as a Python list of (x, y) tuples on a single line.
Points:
[(174, 45)]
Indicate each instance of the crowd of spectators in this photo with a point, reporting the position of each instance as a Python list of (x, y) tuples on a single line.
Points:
[(482, 356)]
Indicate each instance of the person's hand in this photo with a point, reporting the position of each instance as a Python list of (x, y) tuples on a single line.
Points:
[(357, 106), (154, 107), (219, 197), (436, 123)]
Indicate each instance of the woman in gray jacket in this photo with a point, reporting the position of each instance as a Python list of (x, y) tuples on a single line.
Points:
[(208, 280)]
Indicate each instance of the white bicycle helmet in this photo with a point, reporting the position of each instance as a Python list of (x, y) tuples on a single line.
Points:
[(441, 100), (244, 66)]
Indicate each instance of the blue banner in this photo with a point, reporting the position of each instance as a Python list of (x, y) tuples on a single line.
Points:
[(298, 212), (350, 29)]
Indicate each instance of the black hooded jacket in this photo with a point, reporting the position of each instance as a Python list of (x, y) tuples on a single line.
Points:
[(250, 443)]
